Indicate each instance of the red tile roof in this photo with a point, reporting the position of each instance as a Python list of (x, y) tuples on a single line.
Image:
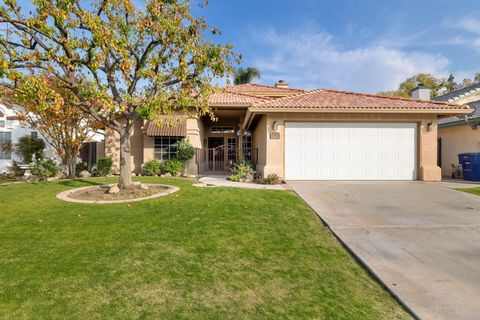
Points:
[(328, 100), (260, 89), (224, 97)]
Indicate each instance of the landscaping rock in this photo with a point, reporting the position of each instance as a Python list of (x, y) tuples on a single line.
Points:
[(114, 189), (168, 174), (144, 186), (136, 183), (249, 178), (84, 174)]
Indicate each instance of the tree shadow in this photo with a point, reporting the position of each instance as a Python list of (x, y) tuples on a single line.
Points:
[(72, 183)]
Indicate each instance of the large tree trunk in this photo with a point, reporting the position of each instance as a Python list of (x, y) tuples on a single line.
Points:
[(71, 166), (125, 162)]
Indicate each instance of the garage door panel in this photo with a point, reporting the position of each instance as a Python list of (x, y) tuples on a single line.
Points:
[(350, 151)]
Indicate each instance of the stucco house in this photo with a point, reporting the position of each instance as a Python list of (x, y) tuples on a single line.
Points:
[(304, 134), (459, 133), (11, 129)]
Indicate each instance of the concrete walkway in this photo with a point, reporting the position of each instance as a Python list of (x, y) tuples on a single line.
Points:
[(422, 240), (222, 181)]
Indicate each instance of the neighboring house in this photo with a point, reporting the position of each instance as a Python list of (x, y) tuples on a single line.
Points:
[(459, 134), (11, 129), (304, 135)]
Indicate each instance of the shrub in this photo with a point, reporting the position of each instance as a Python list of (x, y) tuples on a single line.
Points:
[(152, 167), (242, 173), (185, 151), (81, 167), (172, 166), (104, 166), (27, 147), (45, 168), (270, 179)]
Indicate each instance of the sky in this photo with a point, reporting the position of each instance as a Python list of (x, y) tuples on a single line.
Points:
[(358, 45)]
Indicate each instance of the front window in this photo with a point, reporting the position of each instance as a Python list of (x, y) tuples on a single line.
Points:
[(219, 129), (166, 147), (5, 145)]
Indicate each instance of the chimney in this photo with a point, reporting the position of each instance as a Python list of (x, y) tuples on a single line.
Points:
[(281, 84), (421, 92)]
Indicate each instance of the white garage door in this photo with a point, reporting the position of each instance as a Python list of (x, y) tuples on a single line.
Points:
[(350, 151)]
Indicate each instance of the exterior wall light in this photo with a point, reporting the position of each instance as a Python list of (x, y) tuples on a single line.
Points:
[(429, 126), (275, 126)]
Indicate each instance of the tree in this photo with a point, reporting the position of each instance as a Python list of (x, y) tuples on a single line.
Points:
[(54, 114), (243, 76), (405, 88), (122, 63)]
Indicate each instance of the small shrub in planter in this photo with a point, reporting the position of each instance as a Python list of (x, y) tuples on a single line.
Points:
[(242, 173), (270, 179), (152, 167), (172, 166), (104, 166), (45, 168), (28, 147)]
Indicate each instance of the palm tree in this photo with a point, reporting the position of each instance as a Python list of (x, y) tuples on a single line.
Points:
[(242, 76)]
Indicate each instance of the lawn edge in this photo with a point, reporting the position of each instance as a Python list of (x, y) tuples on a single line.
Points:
[(362, 263)]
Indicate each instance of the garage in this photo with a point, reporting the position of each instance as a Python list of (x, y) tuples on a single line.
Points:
[(350, 151)]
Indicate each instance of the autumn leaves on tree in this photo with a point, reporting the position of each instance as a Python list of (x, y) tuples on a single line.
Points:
[(118, 63)]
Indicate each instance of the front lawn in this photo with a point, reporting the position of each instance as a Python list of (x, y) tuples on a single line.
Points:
[(201, 253), (475, 191)]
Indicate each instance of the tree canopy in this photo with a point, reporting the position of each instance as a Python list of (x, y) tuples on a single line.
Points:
[(243, 76), (121, 61)]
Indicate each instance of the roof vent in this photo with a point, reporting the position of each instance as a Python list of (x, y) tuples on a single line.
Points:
[(281, 84), (421, 92)]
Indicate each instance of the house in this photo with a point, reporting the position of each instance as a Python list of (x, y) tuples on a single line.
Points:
[(304, 134), (11, 129), (458, 133)]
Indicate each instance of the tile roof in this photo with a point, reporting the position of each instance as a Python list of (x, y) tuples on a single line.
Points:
[(452, 120), (223, 97), (175, 126), (452, 95), (338, 100), (261, 89)]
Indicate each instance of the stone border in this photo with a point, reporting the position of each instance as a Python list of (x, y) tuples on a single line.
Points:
[(64, 196)]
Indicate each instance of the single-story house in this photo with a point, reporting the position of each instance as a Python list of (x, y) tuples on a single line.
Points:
[(304, 134), (459, 133)]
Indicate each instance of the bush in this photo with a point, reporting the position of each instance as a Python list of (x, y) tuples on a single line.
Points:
[(152, 167), (172, 166), (27, 147), (104, 166), (45, 168), (242, 173), (270, 179), (185, 151), (81, 167)]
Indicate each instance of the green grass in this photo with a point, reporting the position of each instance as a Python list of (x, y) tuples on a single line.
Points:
[(201, 253), (475, 191)]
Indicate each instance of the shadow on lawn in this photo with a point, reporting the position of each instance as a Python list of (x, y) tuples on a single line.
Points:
[(73, 183)]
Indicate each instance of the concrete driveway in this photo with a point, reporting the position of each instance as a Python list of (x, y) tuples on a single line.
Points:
[(421, 239)]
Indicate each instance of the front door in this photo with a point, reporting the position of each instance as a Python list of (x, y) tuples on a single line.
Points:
[(216, 154)]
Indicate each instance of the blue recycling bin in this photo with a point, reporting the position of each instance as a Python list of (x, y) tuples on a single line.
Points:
[(470, 163)]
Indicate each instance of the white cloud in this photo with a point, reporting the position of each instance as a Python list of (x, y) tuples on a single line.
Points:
[(310, 58), (470, 24)]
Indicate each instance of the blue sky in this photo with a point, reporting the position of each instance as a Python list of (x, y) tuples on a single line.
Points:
[(368, 45)]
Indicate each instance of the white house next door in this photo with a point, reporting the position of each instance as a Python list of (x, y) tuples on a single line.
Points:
[(350, 151)]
